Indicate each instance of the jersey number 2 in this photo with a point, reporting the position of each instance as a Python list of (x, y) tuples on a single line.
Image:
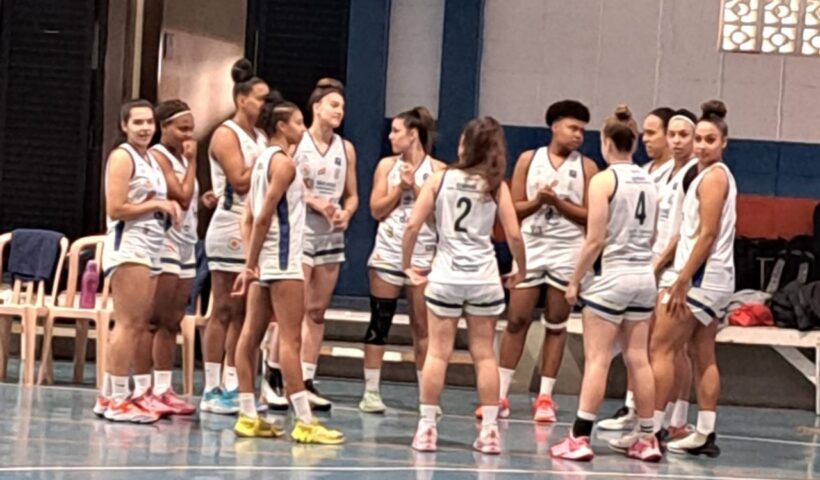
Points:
[(640, 210), (467, 204)]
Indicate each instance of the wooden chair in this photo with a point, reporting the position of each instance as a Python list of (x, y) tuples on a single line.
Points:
[(66, 305), (27, 302)]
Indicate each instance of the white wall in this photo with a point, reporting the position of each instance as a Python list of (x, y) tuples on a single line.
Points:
[(414, 56), (641, 52)]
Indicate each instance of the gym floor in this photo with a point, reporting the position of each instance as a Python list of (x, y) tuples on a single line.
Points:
[(50, 432)]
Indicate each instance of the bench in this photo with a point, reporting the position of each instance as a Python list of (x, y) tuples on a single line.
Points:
[(785, 342)]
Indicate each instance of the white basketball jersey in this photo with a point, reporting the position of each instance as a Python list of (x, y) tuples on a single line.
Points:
[(631, 224), (286, 232), (547, 230), (660, 175), (391, 229), (670, 205), (465, 216), (250, 148), (186, 231), (324, 176), (718, 272), (147, 182)]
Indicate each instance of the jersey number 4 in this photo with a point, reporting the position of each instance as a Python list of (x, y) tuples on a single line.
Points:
[(466, 204), (640, 210)]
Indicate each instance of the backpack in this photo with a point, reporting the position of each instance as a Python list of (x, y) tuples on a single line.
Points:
[(796, 261), (748, 265), (797, 306)]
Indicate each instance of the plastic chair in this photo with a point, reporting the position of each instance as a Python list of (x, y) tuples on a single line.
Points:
[(28, 302), (66, 305)]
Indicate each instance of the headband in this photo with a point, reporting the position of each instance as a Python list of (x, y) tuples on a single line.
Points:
[(684, 118), (176, 115)]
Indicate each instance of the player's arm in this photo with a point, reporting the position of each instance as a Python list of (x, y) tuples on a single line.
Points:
[(382, 200), (518, 187), (578, 213), (117, 206), (182, 191), (282, 173), (509, 222), (350, 196), (600, 189), (227, 152), (421, 211)]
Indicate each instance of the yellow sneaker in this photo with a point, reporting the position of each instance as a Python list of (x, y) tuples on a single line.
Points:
[(317, 433), (256, 427)]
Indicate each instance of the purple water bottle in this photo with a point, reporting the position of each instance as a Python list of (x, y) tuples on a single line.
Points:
[(91, 279)]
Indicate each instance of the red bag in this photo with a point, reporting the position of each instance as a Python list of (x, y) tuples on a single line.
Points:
[(752, 315)]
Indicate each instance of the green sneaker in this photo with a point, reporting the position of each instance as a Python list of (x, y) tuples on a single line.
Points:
[(372, 403)]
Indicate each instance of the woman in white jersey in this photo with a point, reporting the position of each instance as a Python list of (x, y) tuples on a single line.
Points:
[(660, 161), (465, 201), (619, 294), (328, 165), (233, 151), (275, 259), (704, 280), (138, 214), (549, 190), (396, 185), (176, 156)]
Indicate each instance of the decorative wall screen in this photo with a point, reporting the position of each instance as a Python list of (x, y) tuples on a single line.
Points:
[(771, 26)]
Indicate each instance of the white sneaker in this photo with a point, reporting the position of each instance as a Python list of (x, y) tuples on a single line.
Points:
[(624, 419), (272, 399)]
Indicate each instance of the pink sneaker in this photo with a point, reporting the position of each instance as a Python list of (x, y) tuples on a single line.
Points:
[(147, 401), (677, 433), (646, 448), (100, 406), (425, 438), (544, 409), (570, 448), (128, 411), (488, 440), (503, 409), (178, 405)]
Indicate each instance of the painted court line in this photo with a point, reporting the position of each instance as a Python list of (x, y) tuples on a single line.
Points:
[(255, 468)]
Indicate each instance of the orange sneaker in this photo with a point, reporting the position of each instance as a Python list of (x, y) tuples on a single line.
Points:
[(544, 409), (128, 411), (100, 406)]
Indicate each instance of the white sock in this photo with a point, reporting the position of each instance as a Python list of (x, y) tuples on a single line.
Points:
[(272, 364), (586, 415), (630, 400), (119, 388), (489, 415), (706, 422), (546, 385), (231, 379), (141, 384), (162, 381), (308, 371), (428, 414), (646, 425), (505, 376), (301, 406), (681, 414), (212, 374), (106, 386), (371, 379), (667, 414), (658, 420), (247, 405), (418, 376)]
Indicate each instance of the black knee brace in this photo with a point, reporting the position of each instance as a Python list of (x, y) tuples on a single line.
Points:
[(381, 317)]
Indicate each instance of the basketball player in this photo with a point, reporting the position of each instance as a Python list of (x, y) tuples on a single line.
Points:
[(176, 156), (138, 214), (328, 166), (704, 280), (234, 147), (396, 185), (548, 188), (275, 259), (465, 201), (619, 295)]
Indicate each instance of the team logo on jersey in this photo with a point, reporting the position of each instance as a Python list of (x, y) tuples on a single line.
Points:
[(322, 171), (338, 161), (234, 244), (389, 231), (573, 173)]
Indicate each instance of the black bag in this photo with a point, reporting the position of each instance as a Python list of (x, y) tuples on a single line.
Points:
[(748, 255), (794, 262), (797, 306)]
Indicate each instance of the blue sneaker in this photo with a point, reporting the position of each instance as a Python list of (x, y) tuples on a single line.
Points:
[(232, 396), (218, 401)]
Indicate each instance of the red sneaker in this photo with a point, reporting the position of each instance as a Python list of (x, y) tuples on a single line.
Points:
[(677, 433), (147, 401), (100, 406), (128, 411), (178, 405), (544, 409), (503, 409), (646, 448), (576, 449)]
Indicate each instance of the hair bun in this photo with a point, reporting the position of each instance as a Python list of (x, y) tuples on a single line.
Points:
[(328, 82), (622, 113), (714, 108), (242, 70)]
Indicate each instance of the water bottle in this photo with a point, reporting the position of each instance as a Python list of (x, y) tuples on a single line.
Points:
[(88, 291)]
